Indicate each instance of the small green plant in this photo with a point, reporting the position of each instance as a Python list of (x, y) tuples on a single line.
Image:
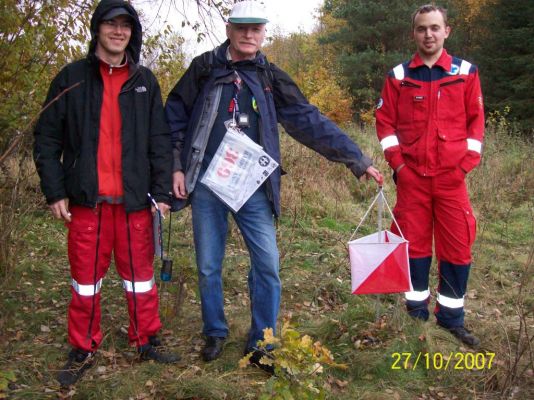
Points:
[(6, 377), (298, 363)]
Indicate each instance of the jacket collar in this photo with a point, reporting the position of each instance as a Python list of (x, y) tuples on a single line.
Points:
[(221, 54), (444, 61)]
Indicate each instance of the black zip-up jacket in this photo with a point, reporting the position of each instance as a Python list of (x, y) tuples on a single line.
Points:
[(66, 135)]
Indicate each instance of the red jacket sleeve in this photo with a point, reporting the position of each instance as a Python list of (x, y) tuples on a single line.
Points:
[(475, 122), (386, 123)]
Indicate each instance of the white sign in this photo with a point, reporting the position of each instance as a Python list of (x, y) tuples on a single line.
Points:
[(237, 169)]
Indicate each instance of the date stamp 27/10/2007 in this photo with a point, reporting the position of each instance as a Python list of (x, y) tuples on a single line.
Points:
[(439, 361)]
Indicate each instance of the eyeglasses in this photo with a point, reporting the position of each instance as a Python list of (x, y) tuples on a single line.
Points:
[(114, 24)]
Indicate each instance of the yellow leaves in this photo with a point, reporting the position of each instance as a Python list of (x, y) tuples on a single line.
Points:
[(266, 360), (298, 361), (329, 97), (305, 341), (313, 68), (269, 338), (243, 363)]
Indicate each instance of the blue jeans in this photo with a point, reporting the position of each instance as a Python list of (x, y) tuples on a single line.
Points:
[(210, 228)]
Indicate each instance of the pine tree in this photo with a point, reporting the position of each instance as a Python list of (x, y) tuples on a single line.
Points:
[(507, 60), (375, 36)]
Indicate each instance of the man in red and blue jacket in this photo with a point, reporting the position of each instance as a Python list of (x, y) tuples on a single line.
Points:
[(430, 123)]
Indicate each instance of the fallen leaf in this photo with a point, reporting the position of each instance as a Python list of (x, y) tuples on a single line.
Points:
[(341, 384)]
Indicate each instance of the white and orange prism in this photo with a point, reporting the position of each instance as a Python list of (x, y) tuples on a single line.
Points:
[(379, 262)]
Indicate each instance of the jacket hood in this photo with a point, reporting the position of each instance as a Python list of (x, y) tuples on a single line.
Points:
[(134, 46)]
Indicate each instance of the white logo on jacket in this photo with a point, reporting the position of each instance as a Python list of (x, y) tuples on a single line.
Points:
[(140, 89)]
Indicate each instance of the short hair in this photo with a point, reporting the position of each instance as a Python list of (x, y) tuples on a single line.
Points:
[(429, 8)]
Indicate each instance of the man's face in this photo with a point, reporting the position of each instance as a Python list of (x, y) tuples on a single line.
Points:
[(429, 33), (113, 36), (245, 40)]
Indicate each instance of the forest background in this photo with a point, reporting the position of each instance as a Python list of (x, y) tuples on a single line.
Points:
[(340, 67)]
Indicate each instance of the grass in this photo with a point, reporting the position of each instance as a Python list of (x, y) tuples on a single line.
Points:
[(322, 205)]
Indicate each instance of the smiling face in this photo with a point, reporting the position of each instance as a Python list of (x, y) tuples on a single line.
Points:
[(430, 32), (113, 38), (245, 40)]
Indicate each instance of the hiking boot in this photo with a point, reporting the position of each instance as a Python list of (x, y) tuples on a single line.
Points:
[(213, 348), (464, 335), (256, 357), (79, 361), (149, 352)]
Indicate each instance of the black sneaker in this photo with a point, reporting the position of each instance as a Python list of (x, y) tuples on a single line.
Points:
[(257, 356), (213, 348), (465, 336), (79, 361), (148, 352)]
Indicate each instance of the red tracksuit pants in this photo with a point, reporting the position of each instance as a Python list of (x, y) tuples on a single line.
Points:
[(94, 234), (436, 208)]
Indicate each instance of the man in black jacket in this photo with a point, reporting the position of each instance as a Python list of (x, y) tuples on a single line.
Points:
[(102, 151)]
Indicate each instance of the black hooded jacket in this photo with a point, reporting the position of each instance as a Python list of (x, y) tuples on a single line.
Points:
[(67, 133)]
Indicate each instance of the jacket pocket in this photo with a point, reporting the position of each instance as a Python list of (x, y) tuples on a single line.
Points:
[(451, 105), (413, 102), (413, 107), (452, 148)]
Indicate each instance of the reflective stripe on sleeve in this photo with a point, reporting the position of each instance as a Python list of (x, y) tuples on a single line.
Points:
[(86, 290), (465, 67), (450, 302), (474, 145), (416, 295), (398, 71), (389, 141), (140, 287)]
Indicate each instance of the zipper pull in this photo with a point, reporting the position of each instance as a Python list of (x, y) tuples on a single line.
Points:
[(110, 69)]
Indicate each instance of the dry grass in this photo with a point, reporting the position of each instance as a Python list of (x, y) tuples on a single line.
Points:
[(322, 204)]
